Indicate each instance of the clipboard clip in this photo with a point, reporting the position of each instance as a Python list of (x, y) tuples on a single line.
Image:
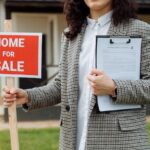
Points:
[(113, 42)]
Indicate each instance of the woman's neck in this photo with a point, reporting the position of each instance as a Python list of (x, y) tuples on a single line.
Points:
[(95, 14)]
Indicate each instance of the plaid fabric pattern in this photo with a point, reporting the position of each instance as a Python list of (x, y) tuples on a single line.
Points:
[(120, 130)]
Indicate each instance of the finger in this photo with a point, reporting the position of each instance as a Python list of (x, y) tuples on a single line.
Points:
[(9, 100), (9, 95), (6, 89), (91, 78), (93, 85), (10, 90), (96, 72), (6, 104), (14, 91)]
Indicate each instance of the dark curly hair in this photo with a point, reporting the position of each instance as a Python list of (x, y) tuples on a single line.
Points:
[(76, 12)]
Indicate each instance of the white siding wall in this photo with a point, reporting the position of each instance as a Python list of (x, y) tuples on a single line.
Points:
[(30, 22)]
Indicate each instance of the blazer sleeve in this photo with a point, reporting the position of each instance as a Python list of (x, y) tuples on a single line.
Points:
[(138, 91), (49, 94)]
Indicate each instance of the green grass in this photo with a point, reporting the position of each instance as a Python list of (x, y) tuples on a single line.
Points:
[(36, 139), (32, 139), (148, 127)]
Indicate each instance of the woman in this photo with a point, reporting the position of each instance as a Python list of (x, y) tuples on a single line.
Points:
[(83, 127)]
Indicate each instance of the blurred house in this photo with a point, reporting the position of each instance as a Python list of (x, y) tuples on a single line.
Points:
[(144, 10), (44, 16)]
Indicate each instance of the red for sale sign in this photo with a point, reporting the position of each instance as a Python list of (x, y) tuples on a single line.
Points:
[(20, 54)]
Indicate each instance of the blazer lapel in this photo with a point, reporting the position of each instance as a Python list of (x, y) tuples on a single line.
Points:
[(73, 80), (120, 30), (73, 68)]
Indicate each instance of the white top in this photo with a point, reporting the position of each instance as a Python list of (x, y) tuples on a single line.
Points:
[(86, 63)]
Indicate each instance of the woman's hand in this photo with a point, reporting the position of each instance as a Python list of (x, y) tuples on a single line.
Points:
[(101, 84), (14, 94)]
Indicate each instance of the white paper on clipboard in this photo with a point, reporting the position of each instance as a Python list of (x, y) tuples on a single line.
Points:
[(119, 57)]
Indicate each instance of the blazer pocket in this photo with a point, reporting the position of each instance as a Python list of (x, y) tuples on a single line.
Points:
[(128, 123)]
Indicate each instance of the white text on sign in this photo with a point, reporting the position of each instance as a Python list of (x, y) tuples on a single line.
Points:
[(10, 42), (8, 54), (11, 65)]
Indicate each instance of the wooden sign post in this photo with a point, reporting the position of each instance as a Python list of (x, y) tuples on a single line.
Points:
[(12, 109), (20, 56)]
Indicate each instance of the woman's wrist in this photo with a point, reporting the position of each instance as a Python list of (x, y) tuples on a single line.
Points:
[(113, 89), (114, 94), (26, 98)]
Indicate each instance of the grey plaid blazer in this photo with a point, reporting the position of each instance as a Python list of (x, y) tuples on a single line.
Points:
[(119, 130)]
